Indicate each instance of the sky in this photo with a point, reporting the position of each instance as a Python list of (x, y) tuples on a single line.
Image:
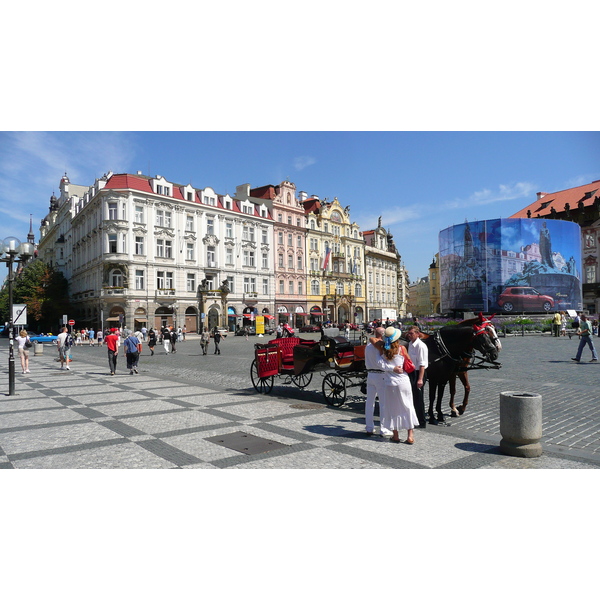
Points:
[(419, 182)]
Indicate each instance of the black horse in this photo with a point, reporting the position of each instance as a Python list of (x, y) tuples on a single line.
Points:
[(452, 350)]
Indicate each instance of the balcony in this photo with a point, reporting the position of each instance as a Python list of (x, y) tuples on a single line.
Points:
[(211, 264), (113, 290), (161, 293), (212, 295), (250, 297)]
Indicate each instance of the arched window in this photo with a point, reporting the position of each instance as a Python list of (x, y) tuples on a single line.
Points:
[(358, 290), (116, 278)]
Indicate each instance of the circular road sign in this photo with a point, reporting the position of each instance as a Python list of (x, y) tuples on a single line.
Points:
[(71, 322)]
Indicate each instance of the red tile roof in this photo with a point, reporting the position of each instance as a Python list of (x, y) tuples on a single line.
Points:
[(546, 202), (129, 182), (266, 192)]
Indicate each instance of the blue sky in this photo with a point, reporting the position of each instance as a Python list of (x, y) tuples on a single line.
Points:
[(419, 182)]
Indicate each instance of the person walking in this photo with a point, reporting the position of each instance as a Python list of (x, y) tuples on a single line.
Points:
[(151, 340), (183, 332), (24, 344), (399, 409), (174, 339), (112, 342), (100, 336), (133, 347), (64, 341), (144, 332), (91, 334), (419, 355), (166, 334), (584, 331), (217, 338), (375, 385), (204, 341), (563, 323)]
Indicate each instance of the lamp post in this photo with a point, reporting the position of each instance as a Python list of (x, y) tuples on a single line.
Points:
[(11, 251)]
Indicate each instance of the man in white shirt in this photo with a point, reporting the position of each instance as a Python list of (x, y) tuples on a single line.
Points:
[(63, 349), (375, 384), (419, 355)]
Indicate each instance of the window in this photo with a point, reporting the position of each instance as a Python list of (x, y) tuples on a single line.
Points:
[(139, 246), (139, 279), (160, 248), (281, 286), (265, 287), (160, 280), (248, 209), (191, 282), (229, 256), (299, 288), (248, 258), (159, 189), (210, 225), (189, 251), (210, 200), (169, 279), (230, 281), (189, 222), (280, 238), (291, 287), (590, 274), (112, 210), (116, 278), (265, 260), (280, 218), (168, 249), (298, 222), (249, 284), (210, 257), (289, 220), (139, 214), (112, 243), (290, 261), (228, 229), (314, 244), (290, 243), (340, 289), (280, 260), (299, 241), (312, 224), (160, 218), (265, 239), (314, 287), (190, 196), (248, 233), (300, 263), (358, 290)]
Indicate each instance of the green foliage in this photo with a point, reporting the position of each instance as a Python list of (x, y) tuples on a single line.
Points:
[(44, 290)]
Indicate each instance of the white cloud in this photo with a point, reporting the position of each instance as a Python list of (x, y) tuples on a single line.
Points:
[(502, 194), (301, 162)]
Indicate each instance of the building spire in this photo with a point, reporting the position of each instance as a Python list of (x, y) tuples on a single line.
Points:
[(30, 235)]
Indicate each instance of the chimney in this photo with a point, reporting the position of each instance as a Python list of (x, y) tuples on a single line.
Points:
[(303, 196), (540, 195)]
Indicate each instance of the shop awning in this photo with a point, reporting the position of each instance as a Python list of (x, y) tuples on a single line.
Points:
[(302, 314), (316, 314), (284, 313), (140, 319), (268, 316), (112, 319)]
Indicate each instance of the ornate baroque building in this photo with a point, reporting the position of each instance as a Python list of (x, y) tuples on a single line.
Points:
[(289, 243), (384, 276), (335, 255), (142, 250)]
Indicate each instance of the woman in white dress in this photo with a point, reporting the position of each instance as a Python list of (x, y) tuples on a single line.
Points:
[(399, 409)]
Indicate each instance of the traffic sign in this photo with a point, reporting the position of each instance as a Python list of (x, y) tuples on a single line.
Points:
[(71, 322)]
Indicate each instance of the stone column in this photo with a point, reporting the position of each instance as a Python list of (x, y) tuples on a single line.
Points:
[(521, 424)]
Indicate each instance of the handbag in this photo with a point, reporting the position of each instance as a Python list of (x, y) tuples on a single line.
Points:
[(28, 343), (408, 366)]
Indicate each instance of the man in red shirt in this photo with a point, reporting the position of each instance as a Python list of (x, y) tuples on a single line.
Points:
[(112, 342)]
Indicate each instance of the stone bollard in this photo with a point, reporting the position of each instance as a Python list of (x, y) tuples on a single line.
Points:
[(38, 348), (521, 424)]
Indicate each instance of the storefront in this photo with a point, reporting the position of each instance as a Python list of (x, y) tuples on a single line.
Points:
[(316, 315)]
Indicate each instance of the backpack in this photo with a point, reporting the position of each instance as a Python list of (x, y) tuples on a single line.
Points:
[(69, 340)]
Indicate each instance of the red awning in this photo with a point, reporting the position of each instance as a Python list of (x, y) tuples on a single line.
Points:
[(268, 316), (316, 314), (302, 314), (284, 313)]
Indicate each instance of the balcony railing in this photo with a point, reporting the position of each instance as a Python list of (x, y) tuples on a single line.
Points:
[(165, 292), (113, 290)]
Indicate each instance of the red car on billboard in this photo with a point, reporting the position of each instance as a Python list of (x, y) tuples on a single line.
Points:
[(525, 299)]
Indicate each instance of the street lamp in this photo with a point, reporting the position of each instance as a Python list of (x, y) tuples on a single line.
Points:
[(11, 251)]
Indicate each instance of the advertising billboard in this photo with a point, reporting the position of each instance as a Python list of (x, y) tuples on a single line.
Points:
[(511, 266)]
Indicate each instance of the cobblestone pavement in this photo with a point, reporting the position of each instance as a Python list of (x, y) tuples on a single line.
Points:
[(186, 410)]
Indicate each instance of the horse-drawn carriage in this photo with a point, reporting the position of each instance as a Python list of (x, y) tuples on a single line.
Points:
[(295, 360)]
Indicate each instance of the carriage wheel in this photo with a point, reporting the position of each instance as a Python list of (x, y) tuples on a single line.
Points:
[(334, 389), (263, 385), (302, 380)]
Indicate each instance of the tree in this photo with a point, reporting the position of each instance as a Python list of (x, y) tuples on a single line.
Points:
[(44, 290)]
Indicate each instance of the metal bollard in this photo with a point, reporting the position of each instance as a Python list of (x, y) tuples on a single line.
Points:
[(38, 348), (521, 424)]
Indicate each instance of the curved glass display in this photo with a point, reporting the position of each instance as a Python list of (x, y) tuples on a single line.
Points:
[(511, 266)]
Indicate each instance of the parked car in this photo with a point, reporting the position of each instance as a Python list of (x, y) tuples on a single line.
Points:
[(43, 338), (524, 299), (221, 330), (308, 328), (250, 328)]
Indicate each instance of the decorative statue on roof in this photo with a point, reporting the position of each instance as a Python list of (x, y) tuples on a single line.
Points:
[(379, 222), (225, 286), (546, 247)]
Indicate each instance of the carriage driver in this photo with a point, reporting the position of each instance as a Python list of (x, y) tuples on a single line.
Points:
[(375, 384), (419, 354)]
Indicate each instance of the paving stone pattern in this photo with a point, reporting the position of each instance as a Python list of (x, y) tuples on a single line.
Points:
[(164, 417)]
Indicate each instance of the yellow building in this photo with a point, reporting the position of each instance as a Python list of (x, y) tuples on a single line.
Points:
[(335, 263)]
